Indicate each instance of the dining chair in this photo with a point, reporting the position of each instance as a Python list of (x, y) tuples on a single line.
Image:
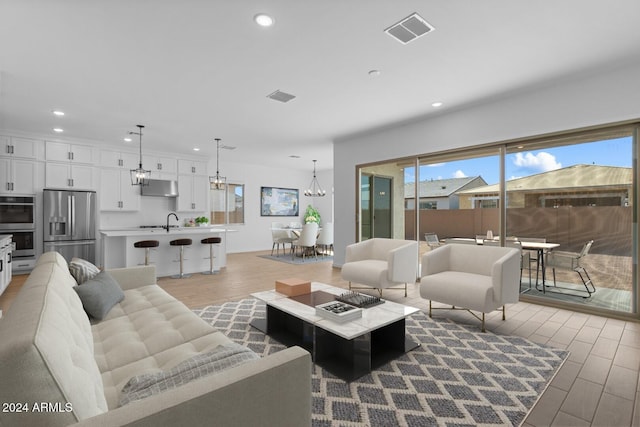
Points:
[(533, 254), (280, 236), (432, 240), (572, 261), (306, 241), (325, 239)]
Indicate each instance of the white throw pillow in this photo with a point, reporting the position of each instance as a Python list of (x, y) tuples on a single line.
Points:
[(82, 270)]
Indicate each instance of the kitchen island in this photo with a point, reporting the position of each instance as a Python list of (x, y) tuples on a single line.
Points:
[(118, 250)]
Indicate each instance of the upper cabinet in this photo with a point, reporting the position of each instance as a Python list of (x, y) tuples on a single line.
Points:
[(18, 176), (64, 152), (117, 159), (194, 167), (20, 147), (162, 167)]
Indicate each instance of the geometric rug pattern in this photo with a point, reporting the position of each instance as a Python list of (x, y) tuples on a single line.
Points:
[(459, 376), (298, 260)]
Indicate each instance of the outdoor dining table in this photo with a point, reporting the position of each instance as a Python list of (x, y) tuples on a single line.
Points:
[(542, 248)]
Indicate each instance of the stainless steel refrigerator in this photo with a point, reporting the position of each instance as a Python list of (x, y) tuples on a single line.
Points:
[(70, 223)]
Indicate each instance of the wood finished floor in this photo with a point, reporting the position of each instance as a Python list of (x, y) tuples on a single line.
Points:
[(597, 386)]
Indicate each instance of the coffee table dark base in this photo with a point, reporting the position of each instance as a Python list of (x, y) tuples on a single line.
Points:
[(346, 359)]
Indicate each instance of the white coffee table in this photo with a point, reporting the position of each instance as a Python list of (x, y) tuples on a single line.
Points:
[(349, 350)]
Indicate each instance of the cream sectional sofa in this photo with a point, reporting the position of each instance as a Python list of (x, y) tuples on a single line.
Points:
[(53, 357)]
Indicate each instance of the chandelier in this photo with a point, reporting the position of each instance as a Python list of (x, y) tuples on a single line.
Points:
[(314, 189), (140, 176), (217, 182)]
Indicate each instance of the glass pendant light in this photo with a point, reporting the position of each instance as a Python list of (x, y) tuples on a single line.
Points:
[(140, 176)]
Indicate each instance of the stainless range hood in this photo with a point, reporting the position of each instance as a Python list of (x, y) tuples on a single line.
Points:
[(160, 188)]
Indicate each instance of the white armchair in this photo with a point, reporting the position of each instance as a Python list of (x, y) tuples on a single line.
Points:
[(381, 263), (472, 277)]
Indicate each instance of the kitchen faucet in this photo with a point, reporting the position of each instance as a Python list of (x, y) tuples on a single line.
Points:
[(177, 219)]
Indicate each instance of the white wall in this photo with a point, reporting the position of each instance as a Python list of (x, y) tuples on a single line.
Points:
[(255, 233), (582, 101)]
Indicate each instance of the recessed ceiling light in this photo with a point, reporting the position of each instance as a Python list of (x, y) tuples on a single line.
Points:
[(374, 73), (58, 113), (263, 20), (294, 156), (58, 130), (127, 139), (196, 149), (437, 104)]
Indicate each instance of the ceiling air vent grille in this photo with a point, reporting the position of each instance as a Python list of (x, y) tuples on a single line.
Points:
[(278, 95), (409, 29)]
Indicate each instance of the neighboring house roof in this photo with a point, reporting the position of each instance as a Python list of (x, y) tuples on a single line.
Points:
[(585, 176), (442, 187)]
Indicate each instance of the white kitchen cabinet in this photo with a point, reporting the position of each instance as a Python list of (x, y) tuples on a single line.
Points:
[(119, 159), (192, 167), (62, 151), (193, 193), (19, 147), (116, 191), (68, 176), (18, 176), (163, 165), (5, 262)]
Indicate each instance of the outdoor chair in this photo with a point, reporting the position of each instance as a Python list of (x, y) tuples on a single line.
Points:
[(572, 261), (432, 240)]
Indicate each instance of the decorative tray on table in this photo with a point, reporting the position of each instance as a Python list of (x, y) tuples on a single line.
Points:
[(338, 312)]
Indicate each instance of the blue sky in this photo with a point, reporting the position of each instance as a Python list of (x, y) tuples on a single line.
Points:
[(613, 152)]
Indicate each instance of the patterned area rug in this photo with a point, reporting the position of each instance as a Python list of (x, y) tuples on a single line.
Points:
[(458, 377), (298, 259)]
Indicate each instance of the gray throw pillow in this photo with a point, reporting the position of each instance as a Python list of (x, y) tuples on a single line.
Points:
[(99, 295)]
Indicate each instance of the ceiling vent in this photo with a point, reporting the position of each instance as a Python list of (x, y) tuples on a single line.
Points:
[(409, 29), (278, 95)]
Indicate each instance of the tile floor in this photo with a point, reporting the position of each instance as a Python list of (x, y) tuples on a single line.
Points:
[(598, 384)]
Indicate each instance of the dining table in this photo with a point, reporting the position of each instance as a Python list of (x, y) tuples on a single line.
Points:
[(542, 248)]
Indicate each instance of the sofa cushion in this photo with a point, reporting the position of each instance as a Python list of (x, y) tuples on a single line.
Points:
[(82, 270), (222, 357), (115, 379), (144, 328), (99, 295)]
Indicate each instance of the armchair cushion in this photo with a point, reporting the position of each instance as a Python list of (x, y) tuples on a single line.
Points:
[(381, 263)]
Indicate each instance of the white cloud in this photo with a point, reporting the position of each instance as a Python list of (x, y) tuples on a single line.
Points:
[(436, 165), (459, 174), (541, 162)]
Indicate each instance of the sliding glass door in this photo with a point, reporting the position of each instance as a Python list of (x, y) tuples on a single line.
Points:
[(569, 199)]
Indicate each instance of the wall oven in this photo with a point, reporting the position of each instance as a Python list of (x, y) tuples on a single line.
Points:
[(17, 217), (17, 213), (24, 243)]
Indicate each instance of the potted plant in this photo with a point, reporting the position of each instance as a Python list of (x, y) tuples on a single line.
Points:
[(311, 215), (201, 220)]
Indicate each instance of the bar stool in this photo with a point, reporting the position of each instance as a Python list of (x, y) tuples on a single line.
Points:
[(211, 241), (147, 245), (182, 243)]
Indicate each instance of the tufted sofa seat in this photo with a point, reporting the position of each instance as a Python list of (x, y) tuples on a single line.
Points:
[(51, 352)]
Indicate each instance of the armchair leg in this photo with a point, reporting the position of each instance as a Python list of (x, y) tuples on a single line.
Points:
[(482, 324), (504, 312), (430, 309), (405, 290), (349, 284)]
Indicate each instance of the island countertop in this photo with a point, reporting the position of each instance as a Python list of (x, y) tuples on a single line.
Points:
[(118, 248), (136, 231)]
